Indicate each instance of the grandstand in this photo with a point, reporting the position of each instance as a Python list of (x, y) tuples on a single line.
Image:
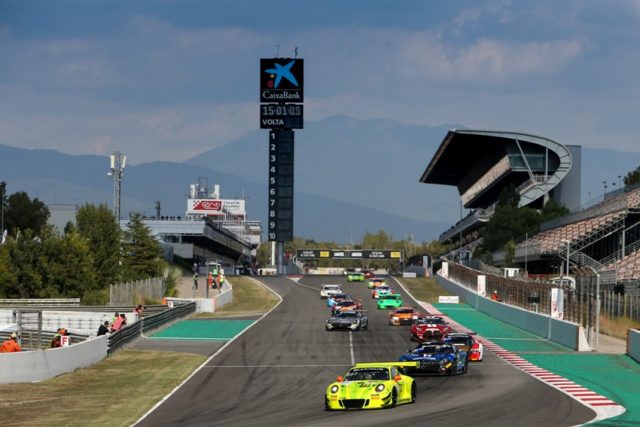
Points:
[(603, 238), (481, 163)]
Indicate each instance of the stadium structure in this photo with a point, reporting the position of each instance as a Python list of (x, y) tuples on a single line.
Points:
[(604, 237)]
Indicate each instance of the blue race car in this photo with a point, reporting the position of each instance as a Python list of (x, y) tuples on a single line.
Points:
[(437, 358)]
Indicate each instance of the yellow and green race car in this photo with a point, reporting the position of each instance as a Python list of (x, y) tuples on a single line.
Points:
[(357, 276), (372, 386)]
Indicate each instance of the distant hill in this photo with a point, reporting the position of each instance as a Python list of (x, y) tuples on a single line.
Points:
[(373, 163), (55, 177), (351, 176)]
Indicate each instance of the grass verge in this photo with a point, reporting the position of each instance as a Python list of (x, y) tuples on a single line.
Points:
[(617, 327), (114, 392), (249, 297), (121, 388), (423, 288)]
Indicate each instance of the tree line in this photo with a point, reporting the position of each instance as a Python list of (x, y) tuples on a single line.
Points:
[(81, 261)]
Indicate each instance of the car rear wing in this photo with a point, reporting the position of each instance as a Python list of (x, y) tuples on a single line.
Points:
[(388, 365)]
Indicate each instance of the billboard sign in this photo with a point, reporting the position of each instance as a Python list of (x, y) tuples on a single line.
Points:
[(213, 207), (349, 254), (281, 80)]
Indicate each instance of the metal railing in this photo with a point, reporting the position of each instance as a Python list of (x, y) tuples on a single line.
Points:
[(59, 302), (131, 332)]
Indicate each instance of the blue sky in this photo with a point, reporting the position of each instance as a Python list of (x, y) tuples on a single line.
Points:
[(166, 80)]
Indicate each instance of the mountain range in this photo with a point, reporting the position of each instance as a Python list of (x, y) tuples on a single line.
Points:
[(351, 176)]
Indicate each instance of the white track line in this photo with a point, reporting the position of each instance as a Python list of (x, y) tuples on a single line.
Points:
[(213, 355), (602, 406), (276, 366), (353, 359)]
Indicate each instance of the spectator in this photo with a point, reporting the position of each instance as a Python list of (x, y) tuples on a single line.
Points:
[(11, 345), (57, 338), (117, 324), (115, 317), (138, 310), (495, 296), (195, 281), (104, 328), (220, 280), (210, 280), (124, 319)]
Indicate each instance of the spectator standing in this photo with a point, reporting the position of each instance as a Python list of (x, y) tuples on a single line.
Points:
[(11, 345), (495, 296), (104, 328), (117, 324), (220, 280), (138, 310), (57, 338), (210, 280)]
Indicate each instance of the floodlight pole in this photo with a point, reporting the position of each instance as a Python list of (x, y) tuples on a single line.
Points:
[(118, 161)]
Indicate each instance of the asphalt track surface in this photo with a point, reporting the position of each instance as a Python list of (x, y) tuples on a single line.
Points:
[(277, 371)]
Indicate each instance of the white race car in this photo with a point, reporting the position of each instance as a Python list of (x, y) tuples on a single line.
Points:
[(328, 290)]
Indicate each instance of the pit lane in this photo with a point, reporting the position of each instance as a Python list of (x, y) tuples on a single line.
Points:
[(276, 373)]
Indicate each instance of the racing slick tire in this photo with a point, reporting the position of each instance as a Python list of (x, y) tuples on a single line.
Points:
[(394, 399), (413, 392)]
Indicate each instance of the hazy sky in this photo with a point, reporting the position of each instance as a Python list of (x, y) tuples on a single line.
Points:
[(165, 80)]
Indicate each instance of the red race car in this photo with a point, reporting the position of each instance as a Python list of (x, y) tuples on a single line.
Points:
[(346, 305), (466, 342), (429, 328)]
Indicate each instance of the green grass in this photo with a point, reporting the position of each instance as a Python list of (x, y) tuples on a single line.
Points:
[(121, 388), (114, 392), (249, 297), (423, 288)]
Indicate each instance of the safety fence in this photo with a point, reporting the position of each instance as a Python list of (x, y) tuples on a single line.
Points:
[(148, 323), (579, 305), (621, 305), (133, 292), (60, 302)]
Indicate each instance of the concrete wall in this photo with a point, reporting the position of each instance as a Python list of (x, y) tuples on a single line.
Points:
[(633, 344), (560, 331), (82, 322), (40, 365), (210, 305)]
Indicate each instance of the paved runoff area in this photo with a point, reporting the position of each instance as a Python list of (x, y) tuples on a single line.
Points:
[(215, 330), (602, 381)]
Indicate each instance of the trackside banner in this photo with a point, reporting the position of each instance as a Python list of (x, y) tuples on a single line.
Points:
[(349, 254)]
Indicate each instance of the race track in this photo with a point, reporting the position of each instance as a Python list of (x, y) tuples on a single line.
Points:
[(277, 371)]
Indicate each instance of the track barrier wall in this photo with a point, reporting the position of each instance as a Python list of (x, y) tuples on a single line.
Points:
[(40, 365), (556, 330), (633, 344)]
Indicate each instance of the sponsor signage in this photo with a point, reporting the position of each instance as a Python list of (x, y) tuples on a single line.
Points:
[(214, 207), (447, 299), (349, 254), (281, 116), (281, 80)]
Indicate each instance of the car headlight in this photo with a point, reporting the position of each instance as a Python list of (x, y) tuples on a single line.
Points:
[(380, 388), (334, 389), (394, 318)]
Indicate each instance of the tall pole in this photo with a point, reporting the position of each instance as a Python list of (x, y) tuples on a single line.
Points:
[(2, 210), (567, 267), (118, 161), (526, 250)]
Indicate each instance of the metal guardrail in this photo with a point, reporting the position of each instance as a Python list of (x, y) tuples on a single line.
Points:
[(129, 333), (60, 302)]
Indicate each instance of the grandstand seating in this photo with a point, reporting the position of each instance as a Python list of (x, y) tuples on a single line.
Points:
[(628, 268), (553, 240)]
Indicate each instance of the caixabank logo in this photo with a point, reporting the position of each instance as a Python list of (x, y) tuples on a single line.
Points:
[(281, 80)]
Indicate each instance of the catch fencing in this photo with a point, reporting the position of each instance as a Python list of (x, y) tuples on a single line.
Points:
[(136, 292), (148, 323), (579, 304)]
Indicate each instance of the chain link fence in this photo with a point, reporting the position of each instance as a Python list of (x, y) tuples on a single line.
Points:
[(137, 292)]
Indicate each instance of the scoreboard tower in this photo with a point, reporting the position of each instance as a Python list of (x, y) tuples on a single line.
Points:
[(281, 111)]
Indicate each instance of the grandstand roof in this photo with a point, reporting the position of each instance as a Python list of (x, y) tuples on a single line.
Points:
[(480, 163)]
